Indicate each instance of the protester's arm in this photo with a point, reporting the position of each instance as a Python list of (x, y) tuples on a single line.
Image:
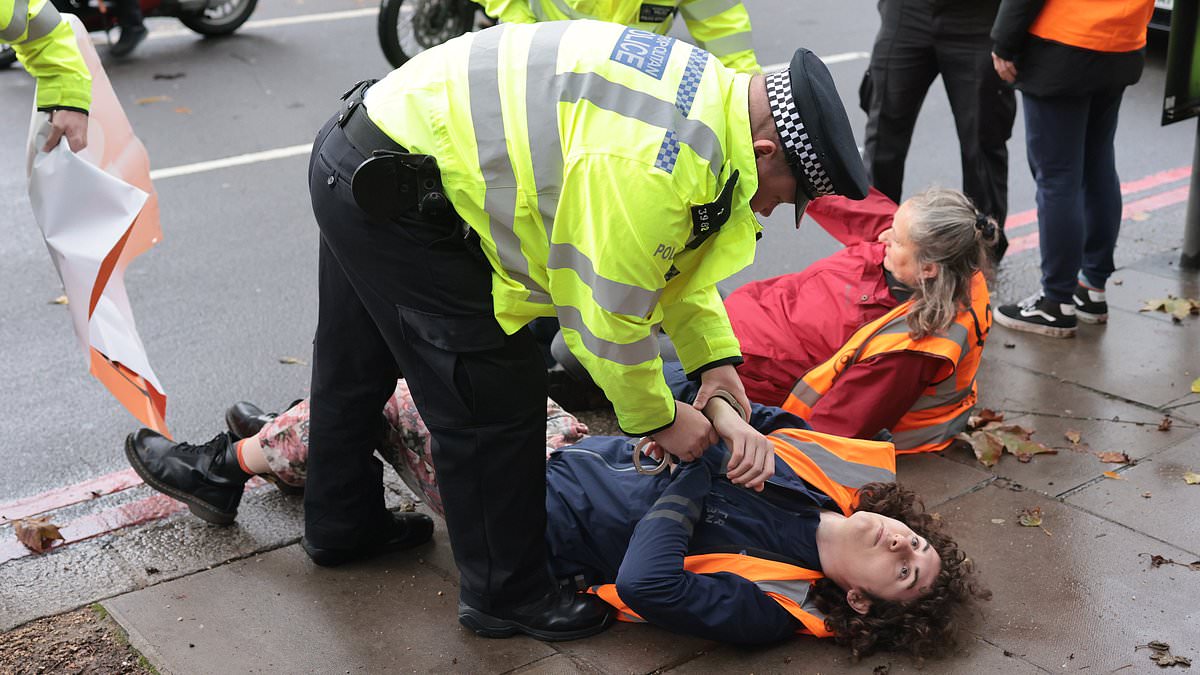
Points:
[(874, 394), (722, 28), (853, 221), (653, 582), (509, 11), (1012, 25), (751, 455)]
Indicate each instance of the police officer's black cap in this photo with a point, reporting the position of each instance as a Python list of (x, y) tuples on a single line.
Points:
[(815, 132)]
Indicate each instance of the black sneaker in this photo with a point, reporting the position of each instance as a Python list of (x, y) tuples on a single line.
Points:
[(392, 532), (1090, 306), (1039, 314), (131, 37), (205, 477)]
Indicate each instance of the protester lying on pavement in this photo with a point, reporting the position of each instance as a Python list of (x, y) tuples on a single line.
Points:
[(833, 547), (885, 334)]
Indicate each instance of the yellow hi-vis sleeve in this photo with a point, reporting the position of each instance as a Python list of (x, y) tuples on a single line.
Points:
[(722, 28), (509, 11), (45, 45), (700, 330)]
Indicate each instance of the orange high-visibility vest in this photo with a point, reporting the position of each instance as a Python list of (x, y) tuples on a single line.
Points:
[(942, 410), (836, 466), (1099, 25)]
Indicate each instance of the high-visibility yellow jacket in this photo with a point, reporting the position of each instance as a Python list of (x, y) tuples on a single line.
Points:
[(942, 411), (721, 27), (45, 45), (579, 152)]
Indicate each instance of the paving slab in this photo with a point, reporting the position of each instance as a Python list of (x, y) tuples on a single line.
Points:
[(936, 478), (1168, 513), (1137, 286), (809, 655), (1105, 424), (55, 582), (277, 612), (1132, 357), (635, 648), (1074, 595)]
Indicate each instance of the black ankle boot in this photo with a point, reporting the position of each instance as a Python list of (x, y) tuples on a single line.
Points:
[(562, 614), (205, 477)]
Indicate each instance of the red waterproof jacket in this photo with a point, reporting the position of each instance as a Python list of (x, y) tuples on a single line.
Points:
[(781, 336)]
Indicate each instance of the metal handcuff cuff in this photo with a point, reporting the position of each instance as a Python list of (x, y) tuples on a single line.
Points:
[(668, 461)]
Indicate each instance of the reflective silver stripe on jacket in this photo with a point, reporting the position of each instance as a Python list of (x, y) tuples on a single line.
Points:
[(614, 296), (699, 10), (499, 180), (841, 471), (945, 393), (729, 44), (626, 354), (16, 25), (797, 590), (937, 433), (47, 20)]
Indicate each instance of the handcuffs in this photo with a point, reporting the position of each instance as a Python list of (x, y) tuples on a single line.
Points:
[(669, 461)]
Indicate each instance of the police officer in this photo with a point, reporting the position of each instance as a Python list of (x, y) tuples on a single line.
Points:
[(720, 27), (45, 45)]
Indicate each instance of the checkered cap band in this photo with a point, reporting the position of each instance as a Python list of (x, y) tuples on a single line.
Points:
[(796, 143)]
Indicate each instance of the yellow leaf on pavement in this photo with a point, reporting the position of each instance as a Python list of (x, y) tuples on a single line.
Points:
[(1196, 386), (60, 300), (152, 99), (1192, 478), (1113, 475)]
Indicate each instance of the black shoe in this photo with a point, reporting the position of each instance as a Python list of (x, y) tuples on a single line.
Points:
[(205, 477), (561, 615), (244, 419), (399, 531), (1039, 314), (1090, 306), (131, 37)]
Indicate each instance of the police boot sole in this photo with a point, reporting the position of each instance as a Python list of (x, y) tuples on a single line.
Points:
[(200, 508), (1028, 327), (488, 626)]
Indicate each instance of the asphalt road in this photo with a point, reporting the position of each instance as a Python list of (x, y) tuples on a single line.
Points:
[(231, 288)]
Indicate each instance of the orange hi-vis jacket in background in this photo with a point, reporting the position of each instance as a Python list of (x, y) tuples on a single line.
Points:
[(835, 466), (942, 410), (1099, 25)]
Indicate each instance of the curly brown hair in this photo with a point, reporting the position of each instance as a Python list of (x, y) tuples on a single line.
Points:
[(926, 627)]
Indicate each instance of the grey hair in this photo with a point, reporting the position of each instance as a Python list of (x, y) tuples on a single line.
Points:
[(946, 229)]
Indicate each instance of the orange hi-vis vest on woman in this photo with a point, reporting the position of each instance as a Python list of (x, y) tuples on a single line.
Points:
[(1099, 25), (836, 466), (942, 410)]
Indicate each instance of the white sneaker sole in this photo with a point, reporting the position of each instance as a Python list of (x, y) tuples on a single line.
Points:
[(1027, 327), (1088, 317)]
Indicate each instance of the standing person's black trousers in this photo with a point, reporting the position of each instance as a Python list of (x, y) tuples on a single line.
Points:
[(412, 296), (914, 45)]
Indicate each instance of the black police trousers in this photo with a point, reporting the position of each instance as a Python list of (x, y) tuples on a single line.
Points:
[(411, 296), (914, 46)]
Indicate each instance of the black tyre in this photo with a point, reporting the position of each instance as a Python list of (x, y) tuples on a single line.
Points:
[(222, 17), (409, 27), (7, 56)]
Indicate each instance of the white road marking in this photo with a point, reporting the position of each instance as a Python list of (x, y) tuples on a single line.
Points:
[(236, 160), (305, 148), (832, 58)]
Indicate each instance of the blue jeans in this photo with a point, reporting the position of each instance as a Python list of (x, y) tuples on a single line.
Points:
[(1069, 141)]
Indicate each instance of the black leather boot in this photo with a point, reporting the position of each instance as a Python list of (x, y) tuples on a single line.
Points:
[(131, 37), (244, 419), (394, 532), (205, 477), (560, 615)]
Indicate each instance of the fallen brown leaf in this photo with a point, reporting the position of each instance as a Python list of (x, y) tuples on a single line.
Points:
[(1113, 475), (1178, 308), (1146, 495), (1157, 561), (987, 448), (152, 99), (37, 534), (985, 416), (60, 300), (183, 111), (1165, 424), (1073, 436), (1161, 655), (1191, 478), (1017, 442), (1114, 457), (1031, 517)]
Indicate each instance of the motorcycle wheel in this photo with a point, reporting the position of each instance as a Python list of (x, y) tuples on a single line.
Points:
[(7, 56), (221, 17), (409, 27)]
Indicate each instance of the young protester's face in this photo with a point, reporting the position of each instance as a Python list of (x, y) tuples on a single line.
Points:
[(900, 254), (776, 184), (885, 559)]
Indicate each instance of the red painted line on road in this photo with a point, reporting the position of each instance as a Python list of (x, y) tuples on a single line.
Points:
[(1018, 220), (71, 494), (1144, 205), (148, 509)]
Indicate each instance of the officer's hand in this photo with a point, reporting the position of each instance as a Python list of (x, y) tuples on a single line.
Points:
[(70, 123), (721, 377), (1005, 69), (689, 436), (752, 457)]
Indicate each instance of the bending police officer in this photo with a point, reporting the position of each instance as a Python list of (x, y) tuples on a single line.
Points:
[(601, 174)]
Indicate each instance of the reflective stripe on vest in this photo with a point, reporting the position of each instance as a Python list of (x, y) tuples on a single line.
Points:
[(1100, 25), (941, 411)]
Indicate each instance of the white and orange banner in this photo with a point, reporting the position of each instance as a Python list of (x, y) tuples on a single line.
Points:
[(98, 211)]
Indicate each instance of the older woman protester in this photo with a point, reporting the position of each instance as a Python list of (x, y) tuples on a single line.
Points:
[(832, 547)]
